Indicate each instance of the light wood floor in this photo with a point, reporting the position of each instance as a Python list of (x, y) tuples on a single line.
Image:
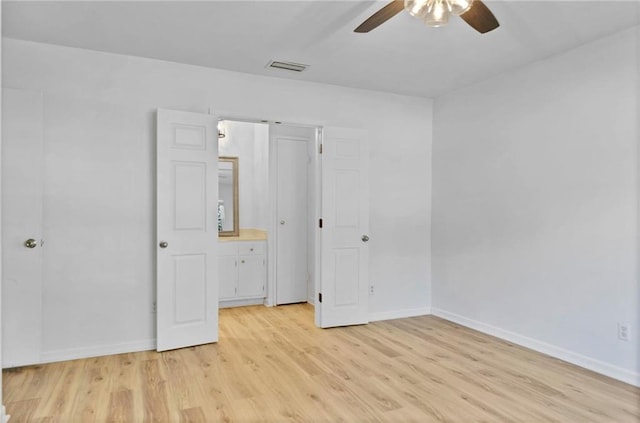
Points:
[(273, 365)]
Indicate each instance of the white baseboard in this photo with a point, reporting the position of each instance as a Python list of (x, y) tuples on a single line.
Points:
[(241, 302), (615, 372), (100, 350), (399, 314)]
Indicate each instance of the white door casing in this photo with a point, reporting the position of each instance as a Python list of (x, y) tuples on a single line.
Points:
[(187, 196), (344, 281), (22, 199), (292, 269)]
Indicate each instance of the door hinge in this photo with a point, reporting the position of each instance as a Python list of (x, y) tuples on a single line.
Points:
[(319, 297), (320, 149), (320, 223)]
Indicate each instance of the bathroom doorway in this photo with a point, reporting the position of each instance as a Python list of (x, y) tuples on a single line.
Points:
[(272, 258)]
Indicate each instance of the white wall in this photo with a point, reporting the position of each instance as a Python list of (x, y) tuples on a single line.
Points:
[(99, 163), (260, 183), (250, 143), (535, 205)]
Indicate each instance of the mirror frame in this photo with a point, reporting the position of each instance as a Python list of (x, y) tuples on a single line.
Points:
[(236, 211)]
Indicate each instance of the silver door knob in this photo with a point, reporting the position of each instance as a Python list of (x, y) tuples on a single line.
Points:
[(282, 222), (31, 243), (164, 244), (365, 238)]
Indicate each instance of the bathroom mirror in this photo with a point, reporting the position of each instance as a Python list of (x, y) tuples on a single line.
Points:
[(228, 224)]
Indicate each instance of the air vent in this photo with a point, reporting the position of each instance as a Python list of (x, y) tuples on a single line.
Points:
[(294, 67)]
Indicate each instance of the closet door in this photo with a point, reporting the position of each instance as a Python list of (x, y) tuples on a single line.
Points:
[(22, 193), (292, 270)]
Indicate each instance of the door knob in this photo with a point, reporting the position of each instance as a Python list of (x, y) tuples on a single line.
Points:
[(164, 244), (365, 238), (31, 243), (282, 222)]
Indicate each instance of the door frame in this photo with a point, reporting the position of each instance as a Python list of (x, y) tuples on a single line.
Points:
[(270, 299)]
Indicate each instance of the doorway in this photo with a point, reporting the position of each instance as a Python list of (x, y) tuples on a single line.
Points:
[(278, 191)]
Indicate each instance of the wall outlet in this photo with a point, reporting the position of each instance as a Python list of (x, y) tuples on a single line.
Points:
[(624, 331), (371, 290), (154, 307)]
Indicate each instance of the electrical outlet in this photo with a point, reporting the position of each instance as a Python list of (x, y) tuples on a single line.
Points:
[(154, 307), (371, 290), (624, 331)]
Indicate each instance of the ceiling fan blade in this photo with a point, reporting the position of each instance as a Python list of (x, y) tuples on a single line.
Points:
[(480, 17), (381, 16)]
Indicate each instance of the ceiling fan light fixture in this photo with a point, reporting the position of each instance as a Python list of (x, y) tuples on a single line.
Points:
[(458, 7), (417, 8), (437, 13)]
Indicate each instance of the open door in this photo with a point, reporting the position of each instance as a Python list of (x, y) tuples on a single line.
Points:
[(187, 231), (344, 279)]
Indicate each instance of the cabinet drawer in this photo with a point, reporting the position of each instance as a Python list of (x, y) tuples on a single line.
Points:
[(227, 248), (251, 248)]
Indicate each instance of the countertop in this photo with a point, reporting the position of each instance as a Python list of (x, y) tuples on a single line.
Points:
[(246, 235)]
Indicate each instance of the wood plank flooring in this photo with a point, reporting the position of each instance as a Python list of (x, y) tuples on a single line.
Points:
[(273, 365)]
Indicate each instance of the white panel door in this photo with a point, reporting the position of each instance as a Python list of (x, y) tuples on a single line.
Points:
[(292, 270), (345, 213), (187, 185), (22, 191)]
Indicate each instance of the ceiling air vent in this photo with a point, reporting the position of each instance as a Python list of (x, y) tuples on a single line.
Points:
[(294, 67)]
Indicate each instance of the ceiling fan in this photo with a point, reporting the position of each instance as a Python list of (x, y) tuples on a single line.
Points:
[(436, 13)]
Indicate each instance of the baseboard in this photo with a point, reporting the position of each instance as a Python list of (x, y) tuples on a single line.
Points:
[(97, 351), (615, 372), (399, 314), (241, 302)]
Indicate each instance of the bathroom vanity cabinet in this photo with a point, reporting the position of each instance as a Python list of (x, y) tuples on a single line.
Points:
[(242, 270)]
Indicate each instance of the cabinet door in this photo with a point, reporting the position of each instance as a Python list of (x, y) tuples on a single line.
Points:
[(252, 276), (228, 276)]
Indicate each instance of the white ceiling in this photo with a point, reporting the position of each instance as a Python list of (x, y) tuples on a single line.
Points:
[(402, 56)]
